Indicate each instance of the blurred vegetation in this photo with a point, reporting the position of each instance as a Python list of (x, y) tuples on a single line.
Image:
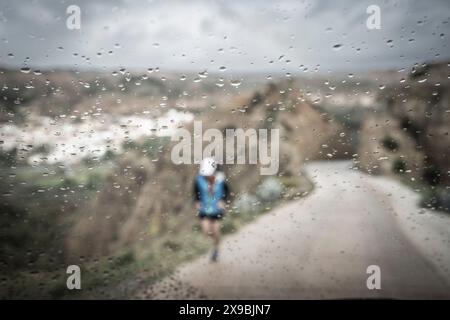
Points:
[(36, 211), (436, 199), (390, 143), (8, 158), (40, 206), (150, 146), (399, 166)]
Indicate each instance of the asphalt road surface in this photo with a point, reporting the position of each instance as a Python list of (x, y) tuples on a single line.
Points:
[(321, 246)]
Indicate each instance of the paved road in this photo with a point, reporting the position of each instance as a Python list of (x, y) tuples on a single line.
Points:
[(321, 246)]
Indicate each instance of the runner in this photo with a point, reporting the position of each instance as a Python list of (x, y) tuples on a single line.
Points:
[(210, 195)]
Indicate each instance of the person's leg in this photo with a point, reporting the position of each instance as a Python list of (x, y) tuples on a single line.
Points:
[(205, 226), (211, 228), (215, 227)]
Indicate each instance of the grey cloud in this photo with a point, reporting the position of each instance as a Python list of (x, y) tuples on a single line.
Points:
[(190, 34)]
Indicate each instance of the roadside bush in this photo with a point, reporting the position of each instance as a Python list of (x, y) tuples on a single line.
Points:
[(399, 166), (172, 245), (390, 143), (432, 175), (444, 200), (228, 226), (429, 199), (436, 199), (247, 203), (270, 190), (124, 259)]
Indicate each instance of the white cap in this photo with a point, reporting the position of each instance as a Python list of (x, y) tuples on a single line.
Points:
[(207, 167)]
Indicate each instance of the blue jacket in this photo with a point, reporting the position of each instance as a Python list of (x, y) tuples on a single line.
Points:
[(209, 200)]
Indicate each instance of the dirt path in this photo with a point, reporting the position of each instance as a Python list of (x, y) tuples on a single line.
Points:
[(321, 246)]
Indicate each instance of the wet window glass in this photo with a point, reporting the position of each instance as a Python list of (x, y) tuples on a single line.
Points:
[(224, 150)]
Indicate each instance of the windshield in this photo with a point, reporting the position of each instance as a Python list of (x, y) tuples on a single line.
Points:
[(224, 149)]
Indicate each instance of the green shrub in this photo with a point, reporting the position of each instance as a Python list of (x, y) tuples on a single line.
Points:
[(94, 181), (109, 155), (432, 175), (124, 259), (8, 158), (172, 245), (429, 199), (44, 149), (390, 143), (399, 166), (228, 226), (247, 203), (436, 199), (270, 190)]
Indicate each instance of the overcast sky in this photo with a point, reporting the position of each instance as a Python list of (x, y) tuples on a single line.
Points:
[(196, 35)]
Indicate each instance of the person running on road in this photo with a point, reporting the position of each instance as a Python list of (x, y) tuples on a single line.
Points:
[(210, 195)]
